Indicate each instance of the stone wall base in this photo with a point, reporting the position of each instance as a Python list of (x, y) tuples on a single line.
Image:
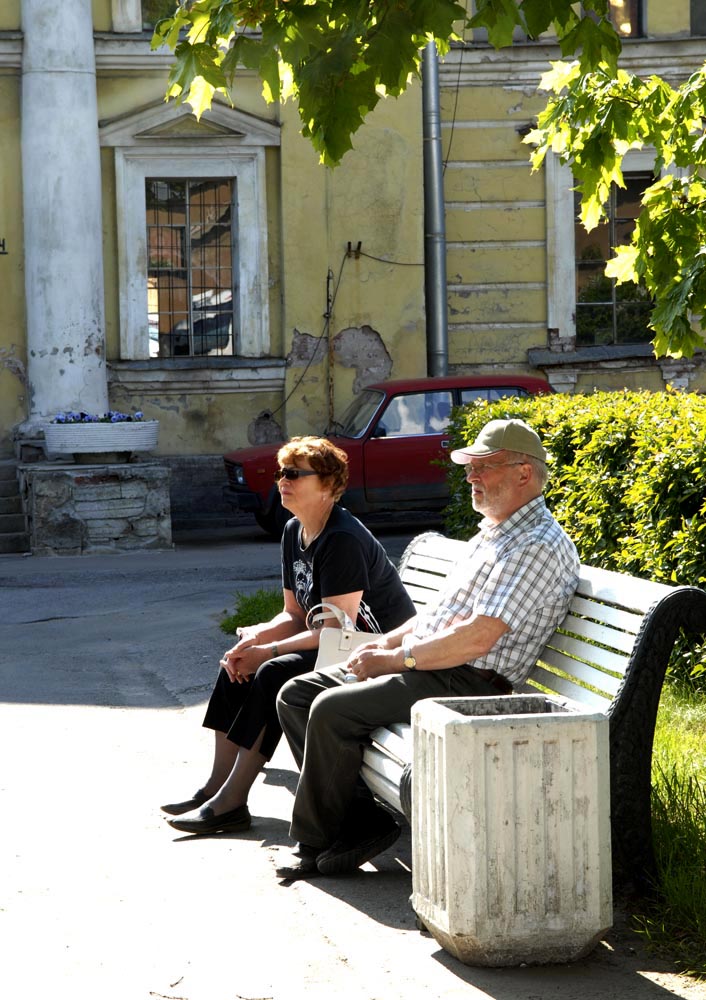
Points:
[(91, 509), (197, 483)]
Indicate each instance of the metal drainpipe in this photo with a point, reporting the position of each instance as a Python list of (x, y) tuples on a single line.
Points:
[(434, 219)]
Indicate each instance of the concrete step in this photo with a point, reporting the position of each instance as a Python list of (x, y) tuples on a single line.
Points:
[(9, 488), (11, 523), (17, 541), (11, 505), (13, 527)]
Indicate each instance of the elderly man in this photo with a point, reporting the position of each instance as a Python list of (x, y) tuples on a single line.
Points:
[(503, 601)]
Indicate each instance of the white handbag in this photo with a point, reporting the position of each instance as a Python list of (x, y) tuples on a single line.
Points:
[(335, 644)]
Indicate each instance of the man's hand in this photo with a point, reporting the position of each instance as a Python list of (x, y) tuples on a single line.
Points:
[(373, 659)]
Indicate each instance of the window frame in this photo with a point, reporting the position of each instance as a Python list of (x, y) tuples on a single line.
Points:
[(126, 16), (561, 247), (194, 314), (615, 304), (640, 26), (166, 140), (246, 167)]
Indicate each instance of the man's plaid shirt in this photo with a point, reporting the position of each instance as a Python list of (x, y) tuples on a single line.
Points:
[(523, 571)]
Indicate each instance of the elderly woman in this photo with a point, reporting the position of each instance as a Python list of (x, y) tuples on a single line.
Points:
[(327, 555)]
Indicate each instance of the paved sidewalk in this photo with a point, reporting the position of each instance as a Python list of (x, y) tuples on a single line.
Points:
[(105, 663)]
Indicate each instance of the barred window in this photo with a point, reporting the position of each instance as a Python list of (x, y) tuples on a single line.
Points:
[(154, 10), (607, 313), (191, 283)]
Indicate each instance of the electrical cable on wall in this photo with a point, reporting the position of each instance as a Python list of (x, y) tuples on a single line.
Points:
[(462, 49), (330, 300), (385, 260)]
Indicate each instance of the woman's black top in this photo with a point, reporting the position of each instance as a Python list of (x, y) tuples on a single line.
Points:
[(343, 559)]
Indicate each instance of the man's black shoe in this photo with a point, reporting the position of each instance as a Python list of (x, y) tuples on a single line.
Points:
[(344, 856), (301, 865)]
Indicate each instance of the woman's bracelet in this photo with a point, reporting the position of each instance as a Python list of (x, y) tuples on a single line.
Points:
[(274, 650)]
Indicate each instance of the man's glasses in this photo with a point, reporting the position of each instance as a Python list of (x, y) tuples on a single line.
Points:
[(290, 472), (481, 468)]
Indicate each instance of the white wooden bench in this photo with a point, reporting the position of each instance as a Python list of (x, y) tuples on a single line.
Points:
[(610, 654)]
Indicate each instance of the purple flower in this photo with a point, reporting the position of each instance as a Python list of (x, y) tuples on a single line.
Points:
[(111, 417)]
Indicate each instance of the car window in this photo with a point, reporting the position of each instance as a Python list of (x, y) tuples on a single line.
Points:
[(491, 393), (416, 413), (359, 413)]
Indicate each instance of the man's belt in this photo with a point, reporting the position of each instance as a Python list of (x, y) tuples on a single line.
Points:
[(502, 684)]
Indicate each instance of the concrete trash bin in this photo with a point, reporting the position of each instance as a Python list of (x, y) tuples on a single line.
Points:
[(511, 857)]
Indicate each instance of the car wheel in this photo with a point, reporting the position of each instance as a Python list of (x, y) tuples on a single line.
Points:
[(274, 520)]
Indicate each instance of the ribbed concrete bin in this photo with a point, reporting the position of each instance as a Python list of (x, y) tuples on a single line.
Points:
[(511, 850)]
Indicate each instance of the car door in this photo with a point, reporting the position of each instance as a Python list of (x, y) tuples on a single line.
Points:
[(405, 451)]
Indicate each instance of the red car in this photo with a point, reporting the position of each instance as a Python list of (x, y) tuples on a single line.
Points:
[(394, 433)]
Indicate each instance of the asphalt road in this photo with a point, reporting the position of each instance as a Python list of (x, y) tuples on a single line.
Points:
[(105, 663)]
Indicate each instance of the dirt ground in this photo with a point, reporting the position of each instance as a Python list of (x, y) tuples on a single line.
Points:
[(105, 665)]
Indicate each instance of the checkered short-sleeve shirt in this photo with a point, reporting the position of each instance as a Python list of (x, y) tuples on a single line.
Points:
[(523, 571)]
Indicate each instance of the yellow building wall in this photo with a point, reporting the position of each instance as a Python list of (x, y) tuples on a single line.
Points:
[(102, 15), (377, 323), (668, 19), (495, 228), (10, 15), (13, 354)]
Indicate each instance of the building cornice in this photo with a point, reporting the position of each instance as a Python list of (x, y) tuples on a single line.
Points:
[(521, 66), (517, 67), (10, 49), (128, 53)]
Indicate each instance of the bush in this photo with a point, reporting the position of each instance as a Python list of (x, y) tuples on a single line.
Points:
[(628, 480), (251, 609)]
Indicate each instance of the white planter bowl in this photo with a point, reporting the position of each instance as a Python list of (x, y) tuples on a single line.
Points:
[(95, 439)]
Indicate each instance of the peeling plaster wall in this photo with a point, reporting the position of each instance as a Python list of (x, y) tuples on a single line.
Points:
[(363, 350)]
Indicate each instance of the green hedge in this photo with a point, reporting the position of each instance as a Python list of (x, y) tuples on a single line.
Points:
[(628, 478)]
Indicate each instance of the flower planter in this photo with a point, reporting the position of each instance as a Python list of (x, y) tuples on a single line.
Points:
[(511, 853), (101, 442)]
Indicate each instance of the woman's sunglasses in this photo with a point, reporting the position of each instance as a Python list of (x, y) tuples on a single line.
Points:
[(289, 472)]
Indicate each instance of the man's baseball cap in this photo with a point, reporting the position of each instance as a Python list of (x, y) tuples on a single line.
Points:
[(502, 435)]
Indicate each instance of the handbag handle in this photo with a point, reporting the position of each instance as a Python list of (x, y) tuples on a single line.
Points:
[(321, 613)]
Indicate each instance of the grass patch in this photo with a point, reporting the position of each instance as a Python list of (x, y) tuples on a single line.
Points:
[(675, 924), (251, 609)]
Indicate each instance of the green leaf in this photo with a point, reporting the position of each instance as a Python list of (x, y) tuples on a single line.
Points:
[(622, 266), (500, 18), (539, 15), (599, 43), (193, 62)]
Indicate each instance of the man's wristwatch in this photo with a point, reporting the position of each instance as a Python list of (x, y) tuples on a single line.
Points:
[(410, 661)]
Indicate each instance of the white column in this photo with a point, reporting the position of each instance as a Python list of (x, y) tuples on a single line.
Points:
[(61, 181)]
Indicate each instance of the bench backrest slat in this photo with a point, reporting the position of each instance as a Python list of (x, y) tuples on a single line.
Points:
[(433, 562), (565, 687), (606, 613), (605, 660), (617, 588), (422, 598), (584, 673), (620, 642)]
